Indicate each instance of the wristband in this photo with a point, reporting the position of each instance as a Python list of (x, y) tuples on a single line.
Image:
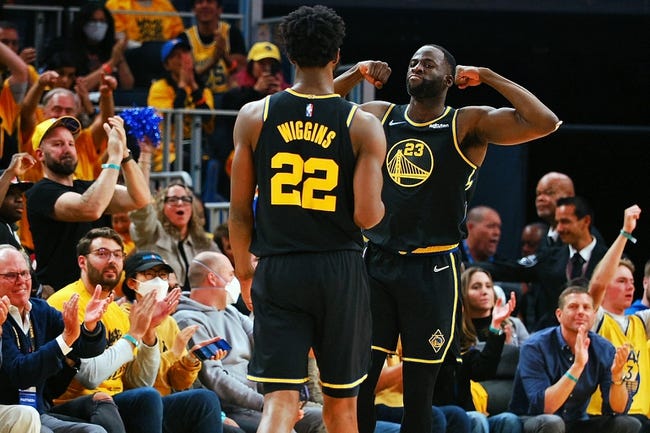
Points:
[(127, 159), (495, 331), (113, 166), (106, 68), (572, 377), (617, 382), (629, 236), (131, 339), (223, 416)]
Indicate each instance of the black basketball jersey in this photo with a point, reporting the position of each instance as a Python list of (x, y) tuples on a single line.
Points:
[(427, 184), (304, 164)]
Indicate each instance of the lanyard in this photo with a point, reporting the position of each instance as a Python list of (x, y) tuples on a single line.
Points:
[(32, 339)]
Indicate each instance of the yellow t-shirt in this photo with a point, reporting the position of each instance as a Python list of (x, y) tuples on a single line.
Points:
[(116, 322), (218, 75), (637, 369), (145, 28)]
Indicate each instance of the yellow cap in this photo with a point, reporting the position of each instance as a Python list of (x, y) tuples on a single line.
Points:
[(43, 128), (264, 50)]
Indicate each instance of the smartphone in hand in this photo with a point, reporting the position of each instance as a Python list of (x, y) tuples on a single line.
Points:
[(208, 349)]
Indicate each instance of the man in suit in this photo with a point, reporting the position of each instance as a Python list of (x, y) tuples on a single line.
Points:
[(551, 187), (553, 267)]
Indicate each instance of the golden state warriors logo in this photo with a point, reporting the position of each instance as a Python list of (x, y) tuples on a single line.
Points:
[(437, 340), (409, 162)]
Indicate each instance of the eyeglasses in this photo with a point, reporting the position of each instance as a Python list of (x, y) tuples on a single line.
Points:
[(106, 254), (14, 276), (150, 274), (176, 200)]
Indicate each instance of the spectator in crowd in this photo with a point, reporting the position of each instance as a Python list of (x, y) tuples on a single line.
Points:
[(562, 366), (62, 209), (38, 341), (480, 300), (221, 236), (612, 288), (644, 302), (179, 89), (217, 46), (551, 187), (90, 143), (531, 237), (12, 200), (552, 268), (146, 24), (95, 48), (121, 223), (121, 372), (169, 226), (15, 418), (11, 96), (214, 289), (483, 235), (9, 36), (145, 271)]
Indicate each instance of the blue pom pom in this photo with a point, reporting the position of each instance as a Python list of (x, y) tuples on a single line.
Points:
[(143, 122)]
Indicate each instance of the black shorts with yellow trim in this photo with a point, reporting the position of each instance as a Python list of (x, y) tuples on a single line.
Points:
[(311, 300), (417, 296)]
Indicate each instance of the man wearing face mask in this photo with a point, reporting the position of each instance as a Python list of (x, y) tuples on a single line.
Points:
[(209, 305)]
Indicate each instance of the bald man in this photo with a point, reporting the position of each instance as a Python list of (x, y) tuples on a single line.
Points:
[(551, 187)]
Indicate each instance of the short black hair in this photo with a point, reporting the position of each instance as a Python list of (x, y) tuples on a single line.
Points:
[(312, 35), (449, 58), (582, 207)]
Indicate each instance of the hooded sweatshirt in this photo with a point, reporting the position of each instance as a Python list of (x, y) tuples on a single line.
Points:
[(226, 377)]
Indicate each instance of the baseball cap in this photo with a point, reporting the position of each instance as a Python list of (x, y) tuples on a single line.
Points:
[(169, 46), (138, 262), (43, 128), (264, 50), (15, 183), (143, 260)]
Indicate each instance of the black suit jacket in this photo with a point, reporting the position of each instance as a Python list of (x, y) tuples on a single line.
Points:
[(547, 270)]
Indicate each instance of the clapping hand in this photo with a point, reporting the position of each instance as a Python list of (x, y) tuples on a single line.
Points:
[(96, 308)]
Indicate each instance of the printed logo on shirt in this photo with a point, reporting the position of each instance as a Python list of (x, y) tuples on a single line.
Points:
[(409, 162)]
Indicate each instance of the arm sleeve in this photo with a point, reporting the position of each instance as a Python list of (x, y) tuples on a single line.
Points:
[(482, 364), (93, 371), (145, 227), (144, 369), (533, 377)]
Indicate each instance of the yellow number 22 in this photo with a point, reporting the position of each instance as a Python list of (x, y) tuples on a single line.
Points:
[(284, 185)]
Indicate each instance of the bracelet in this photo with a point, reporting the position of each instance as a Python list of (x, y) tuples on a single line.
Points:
[(106, 68), (629, 236), (617, 382), (131, 339), (127, 159), (113, 166), (495, 331), (572, 377)]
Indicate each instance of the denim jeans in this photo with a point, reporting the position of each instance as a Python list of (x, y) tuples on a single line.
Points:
[(196, 410), (141, 410), (100, 412), (505, 422)]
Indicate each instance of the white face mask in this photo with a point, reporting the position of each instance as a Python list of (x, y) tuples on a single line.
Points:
[(233, 289), (95, 31), (160, 286)]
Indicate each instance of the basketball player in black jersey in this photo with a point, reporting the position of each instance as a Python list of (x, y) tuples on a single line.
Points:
[(316, 161), (433, 154)]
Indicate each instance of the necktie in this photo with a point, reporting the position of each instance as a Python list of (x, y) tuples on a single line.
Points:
[(576, 266)]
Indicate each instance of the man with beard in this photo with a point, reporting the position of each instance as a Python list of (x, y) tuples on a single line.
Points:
[(121, 373), (62, 209), (433, 154)]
